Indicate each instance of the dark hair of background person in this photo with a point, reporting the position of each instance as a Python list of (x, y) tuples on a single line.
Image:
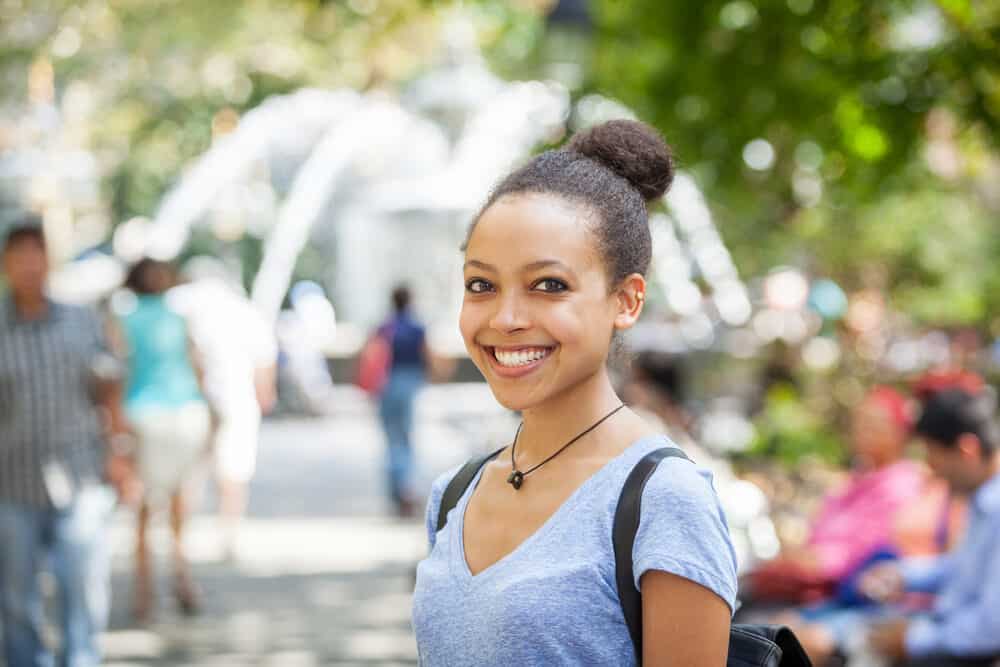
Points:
[(26, 230), (613, 169), (401, 298), (951, 413), (663, 371), (150, 276)]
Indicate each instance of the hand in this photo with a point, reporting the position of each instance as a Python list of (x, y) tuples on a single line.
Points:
[(120, 473), (882, 582), (889, 639)]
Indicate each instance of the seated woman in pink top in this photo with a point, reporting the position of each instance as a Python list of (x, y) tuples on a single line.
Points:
[(856, 520)]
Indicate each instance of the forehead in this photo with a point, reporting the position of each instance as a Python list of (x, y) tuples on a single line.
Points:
[(23, 245), (522, 228), (871, 410)]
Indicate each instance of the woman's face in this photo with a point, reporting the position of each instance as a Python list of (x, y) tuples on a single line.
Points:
[(876, 439), (537, 318)]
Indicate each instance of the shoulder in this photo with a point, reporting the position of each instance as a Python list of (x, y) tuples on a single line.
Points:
[(683, 530), (681, 480)]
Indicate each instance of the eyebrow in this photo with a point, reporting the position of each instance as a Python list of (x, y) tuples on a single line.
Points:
[(533, 266)]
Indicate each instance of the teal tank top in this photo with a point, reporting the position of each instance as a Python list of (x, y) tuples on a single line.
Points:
[(159, 365)]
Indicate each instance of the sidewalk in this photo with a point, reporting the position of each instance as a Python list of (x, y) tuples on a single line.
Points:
[(307, 592), (324, 575)]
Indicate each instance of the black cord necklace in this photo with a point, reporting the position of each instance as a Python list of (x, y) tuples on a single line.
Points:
[(516, 478)]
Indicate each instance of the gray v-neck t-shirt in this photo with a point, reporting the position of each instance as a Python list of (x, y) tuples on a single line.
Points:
[(554, 599)]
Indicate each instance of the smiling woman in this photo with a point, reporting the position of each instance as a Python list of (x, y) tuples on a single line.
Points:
[(523, 572)]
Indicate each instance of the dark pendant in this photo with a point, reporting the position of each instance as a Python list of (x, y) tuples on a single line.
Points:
[(516, 479)]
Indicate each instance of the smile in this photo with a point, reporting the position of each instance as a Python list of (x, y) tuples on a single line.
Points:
[(513, 362)]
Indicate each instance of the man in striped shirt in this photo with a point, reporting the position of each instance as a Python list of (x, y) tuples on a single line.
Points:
[(59, 395)]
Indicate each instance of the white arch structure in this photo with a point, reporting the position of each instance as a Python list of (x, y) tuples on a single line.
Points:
[(398, 160), (299, 117), (347, 129)]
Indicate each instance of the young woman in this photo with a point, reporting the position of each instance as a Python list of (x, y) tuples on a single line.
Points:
[(523, 573), (172, 421)]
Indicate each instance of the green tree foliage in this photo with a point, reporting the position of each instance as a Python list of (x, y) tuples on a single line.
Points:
[(158, 72), (862, 105)]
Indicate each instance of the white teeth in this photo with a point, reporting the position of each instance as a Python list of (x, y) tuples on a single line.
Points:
[(520, 357)]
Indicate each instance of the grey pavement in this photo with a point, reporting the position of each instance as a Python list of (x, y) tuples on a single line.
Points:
[(324, 573)]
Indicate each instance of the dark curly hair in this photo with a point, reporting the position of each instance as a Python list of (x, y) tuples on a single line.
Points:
[(613, 169)]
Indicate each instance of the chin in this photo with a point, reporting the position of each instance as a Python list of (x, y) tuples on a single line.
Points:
[(514, 398)]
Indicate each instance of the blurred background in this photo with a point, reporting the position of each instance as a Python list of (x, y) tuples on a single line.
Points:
[(835, 224)]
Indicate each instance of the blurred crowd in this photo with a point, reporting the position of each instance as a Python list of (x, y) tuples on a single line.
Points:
[(170, 383)]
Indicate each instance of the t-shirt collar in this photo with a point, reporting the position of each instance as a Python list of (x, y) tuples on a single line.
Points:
[(986, 499)]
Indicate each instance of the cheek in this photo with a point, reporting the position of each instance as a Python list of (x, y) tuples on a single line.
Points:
[(469, 322), (588, 337)]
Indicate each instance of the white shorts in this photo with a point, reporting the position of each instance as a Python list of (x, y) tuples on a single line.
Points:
[(172, 442), (236, 444)]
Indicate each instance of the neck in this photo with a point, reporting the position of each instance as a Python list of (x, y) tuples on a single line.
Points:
[(30, 305), (991, 470), (549, 426)]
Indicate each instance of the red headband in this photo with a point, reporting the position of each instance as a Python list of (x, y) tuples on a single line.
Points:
[(935, 381), (893, 403)]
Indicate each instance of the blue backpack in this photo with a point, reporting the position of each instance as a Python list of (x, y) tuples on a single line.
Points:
[(749, 645)]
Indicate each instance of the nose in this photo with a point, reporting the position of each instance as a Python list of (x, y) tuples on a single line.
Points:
[(509, 315)]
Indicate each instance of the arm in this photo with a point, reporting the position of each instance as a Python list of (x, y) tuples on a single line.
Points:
[(683, 623), (438, 368), (265, 386), (972, 628), (109, 384), (926, 574), (109, 393), (685, 566)]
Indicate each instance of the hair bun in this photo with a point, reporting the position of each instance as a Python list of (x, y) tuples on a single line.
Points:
[(631, 149)]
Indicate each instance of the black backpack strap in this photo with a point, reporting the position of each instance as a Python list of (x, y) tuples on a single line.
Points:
[(459, 483), (749, 645), (623, 534)]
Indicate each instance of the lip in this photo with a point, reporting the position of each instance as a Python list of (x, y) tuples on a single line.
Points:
[(515, 371)]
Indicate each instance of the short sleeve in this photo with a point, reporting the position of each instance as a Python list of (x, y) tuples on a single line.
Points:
[(434, 504), (683, 531)]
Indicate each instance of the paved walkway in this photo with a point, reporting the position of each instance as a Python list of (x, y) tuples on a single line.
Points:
[(324, 575)]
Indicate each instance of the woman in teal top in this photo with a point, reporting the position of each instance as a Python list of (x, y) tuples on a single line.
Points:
[(170, 416)]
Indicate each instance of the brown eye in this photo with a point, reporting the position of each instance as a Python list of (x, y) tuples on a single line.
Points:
[(551, 285), (478, 286)]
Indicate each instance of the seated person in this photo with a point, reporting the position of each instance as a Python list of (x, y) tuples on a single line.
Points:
[(857, 519), (962, 439)]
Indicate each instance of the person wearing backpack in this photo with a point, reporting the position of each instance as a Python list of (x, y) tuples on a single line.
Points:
[(522, 570), (406, 360)]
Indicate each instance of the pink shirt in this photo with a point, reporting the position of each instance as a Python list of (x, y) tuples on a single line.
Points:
[(859, 517)]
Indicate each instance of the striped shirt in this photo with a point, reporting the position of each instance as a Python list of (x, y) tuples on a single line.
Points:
[(51, 442)]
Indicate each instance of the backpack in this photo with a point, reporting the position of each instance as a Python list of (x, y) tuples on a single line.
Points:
[(375, 363), (749, 645)]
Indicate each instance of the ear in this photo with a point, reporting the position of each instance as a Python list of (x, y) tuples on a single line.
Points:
[(630, 297), (970, 447)]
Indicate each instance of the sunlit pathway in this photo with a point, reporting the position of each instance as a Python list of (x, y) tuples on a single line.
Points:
[(324, 575)]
